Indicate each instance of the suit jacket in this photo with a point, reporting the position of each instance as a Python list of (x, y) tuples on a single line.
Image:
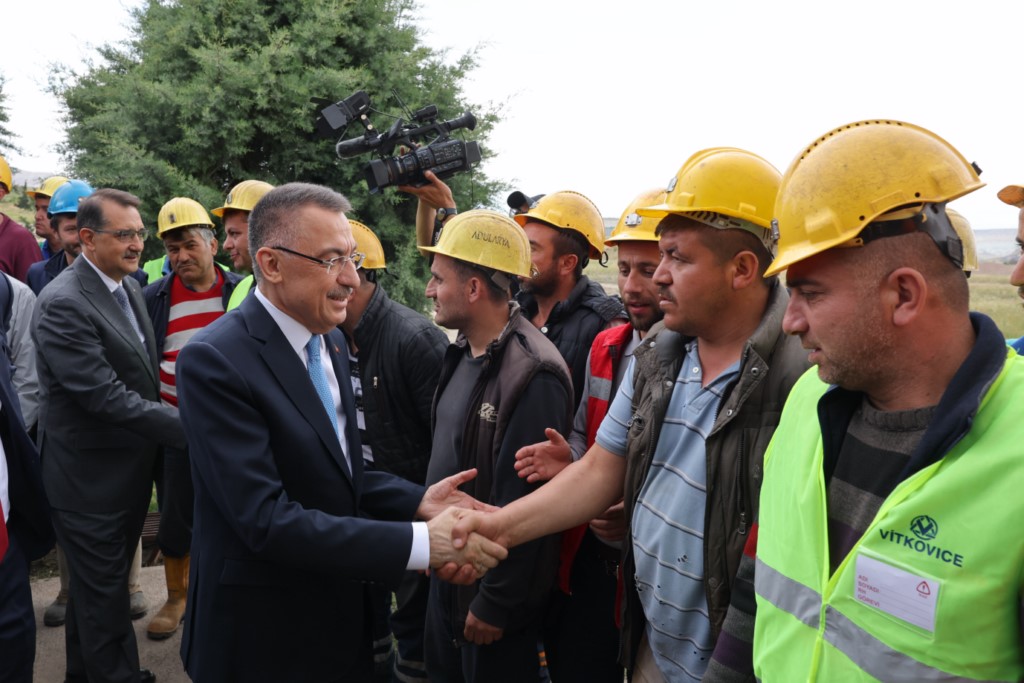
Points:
[(100, 419), (30, 513), (282, 536)]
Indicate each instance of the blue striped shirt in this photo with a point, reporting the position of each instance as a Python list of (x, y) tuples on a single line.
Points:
[(668, 517)]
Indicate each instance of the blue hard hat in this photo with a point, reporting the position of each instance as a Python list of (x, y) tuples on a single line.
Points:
[(67, 197)]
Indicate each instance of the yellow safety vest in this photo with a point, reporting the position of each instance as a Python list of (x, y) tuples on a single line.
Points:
[(240, 292), (154, 268), (931, 592)]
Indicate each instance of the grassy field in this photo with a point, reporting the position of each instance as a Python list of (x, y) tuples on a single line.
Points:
[(991, 294), (26, 217)]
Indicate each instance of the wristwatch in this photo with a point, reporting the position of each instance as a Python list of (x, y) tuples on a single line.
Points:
[(443, 214)]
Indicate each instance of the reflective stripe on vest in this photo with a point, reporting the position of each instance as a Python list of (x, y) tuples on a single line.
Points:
[(600, 388), (788, 595), (811, 625), (605, 355), (867, 652)]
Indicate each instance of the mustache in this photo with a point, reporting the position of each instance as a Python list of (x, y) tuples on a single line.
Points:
[(340, 293), (665, 294)]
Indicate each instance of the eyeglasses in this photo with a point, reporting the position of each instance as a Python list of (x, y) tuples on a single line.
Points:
[(125, 235), (356, 258)]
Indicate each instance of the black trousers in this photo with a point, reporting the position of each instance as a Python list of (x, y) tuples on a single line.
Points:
[(17, 620), (580, 636), (513, 659), (98, 634), (176, 497)]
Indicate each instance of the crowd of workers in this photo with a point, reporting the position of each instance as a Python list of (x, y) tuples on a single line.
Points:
[(716, 475)]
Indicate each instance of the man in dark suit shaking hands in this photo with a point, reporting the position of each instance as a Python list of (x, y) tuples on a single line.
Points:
[(100, 426), (288, 527)]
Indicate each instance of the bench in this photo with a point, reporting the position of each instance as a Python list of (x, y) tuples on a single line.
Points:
[(150, 549)]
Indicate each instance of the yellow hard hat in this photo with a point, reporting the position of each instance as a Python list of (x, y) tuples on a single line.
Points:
[(5, 174), (48, 187), (963, 230), (181, 212), (369, 245), (853, 175), (724, 187), (572, 211), (634, 227), (487, 239), (243, 196)]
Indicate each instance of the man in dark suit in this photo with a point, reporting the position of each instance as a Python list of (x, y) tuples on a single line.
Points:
[(25, 533), (286, 518), (101, 423)]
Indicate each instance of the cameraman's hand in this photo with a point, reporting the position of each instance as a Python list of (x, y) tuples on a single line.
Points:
[(435, 194)]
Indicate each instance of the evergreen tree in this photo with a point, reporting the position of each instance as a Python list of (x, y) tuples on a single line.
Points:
[(7, 136), (212, 92)]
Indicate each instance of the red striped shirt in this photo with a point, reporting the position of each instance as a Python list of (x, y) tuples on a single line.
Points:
[(190, 312)]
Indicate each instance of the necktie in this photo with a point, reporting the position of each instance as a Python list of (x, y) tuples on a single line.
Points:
[(319, 379), (122, 300)]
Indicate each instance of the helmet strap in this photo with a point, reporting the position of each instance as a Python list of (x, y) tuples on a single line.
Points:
[(931, 220)]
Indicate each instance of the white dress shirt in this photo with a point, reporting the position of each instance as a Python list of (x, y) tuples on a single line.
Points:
[(298, 336)]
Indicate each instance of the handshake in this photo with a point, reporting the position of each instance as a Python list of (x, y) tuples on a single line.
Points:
[(470, 556)]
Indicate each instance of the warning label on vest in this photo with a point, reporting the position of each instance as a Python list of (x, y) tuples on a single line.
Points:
[(905, 596)]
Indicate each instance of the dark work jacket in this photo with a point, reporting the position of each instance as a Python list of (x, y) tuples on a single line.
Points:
[(158, 303), (573, 324), (42, 273), (400, 353), (770, 363), (513, 595)]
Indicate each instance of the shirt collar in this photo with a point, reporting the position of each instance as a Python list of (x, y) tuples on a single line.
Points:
[(294, 331), (107, 280)]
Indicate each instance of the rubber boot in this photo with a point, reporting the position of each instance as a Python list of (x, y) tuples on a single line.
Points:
[(166, 621)]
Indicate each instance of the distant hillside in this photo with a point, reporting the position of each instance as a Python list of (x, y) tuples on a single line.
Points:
[(31, 179), (997, 245)]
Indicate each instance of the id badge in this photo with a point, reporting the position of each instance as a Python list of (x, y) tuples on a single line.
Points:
[(909, 597)]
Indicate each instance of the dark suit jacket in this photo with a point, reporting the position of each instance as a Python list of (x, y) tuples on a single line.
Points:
[(281, 537), (30, 513), (100, 417)]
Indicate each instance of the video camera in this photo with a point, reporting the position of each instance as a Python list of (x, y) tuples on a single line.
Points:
[(442, 155)]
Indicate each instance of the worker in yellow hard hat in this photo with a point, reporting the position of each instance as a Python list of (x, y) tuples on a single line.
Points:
[(501, 383), (683, 438), (235, 213), (50, 243), (18, 248), (581, 638), (193, 295), (895, 471)]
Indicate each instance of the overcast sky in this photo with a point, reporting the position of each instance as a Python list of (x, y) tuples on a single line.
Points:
[(610, 99)]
